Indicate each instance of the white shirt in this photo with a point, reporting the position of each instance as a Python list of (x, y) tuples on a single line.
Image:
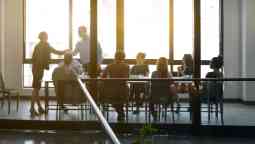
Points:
[(83, 47), (75, 67)]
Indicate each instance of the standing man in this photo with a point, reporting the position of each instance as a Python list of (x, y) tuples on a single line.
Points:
[(83, 47)]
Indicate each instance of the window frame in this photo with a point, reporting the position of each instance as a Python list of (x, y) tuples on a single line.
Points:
[(120, 35)]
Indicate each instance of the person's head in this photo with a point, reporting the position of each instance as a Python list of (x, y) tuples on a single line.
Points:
[(140, 58), (119, 56), (43, 36), (187, 60), (162, 66), (216, 63), (82, 31), (68, 58)]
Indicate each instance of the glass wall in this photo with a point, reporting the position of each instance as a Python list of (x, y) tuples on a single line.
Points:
[(146, 28), (210, 29), (183, 28), (107, 27), (41, 15)]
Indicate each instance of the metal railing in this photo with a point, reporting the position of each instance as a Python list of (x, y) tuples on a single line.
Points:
[(97, 111)]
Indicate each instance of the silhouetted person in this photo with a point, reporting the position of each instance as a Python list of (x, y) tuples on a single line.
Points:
[(83, 48), (187, 67), (40, 62), (117, 90), (215, 64), (160, 90), (65, 75), (140, 69)]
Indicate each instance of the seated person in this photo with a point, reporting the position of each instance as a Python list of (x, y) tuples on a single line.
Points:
[(187, 67), (116, 90), (160, 90), (65, 75), (138, 90), (215, 65)]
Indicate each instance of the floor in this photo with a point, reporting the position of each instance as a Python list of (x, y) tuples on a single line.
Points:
[(234, 114), (75, 137)]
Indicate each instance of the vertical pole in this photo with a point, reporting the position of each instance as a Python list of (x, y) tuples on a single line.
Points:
[(70, 24), (93, 46), (171, 32), (196, 111), (221, 2), (120, 25)]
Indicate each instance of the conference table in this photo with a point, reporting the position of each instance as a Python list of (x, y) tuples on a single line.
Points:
[(184, 82)]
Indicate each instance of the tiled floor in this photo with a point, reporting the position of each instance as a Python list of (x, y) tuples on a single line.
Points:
[(234, 114), (74, 137)]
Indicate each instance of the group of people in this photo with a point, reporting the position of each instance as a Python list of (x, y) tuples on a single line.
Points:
[(41, 59), (70, 68)]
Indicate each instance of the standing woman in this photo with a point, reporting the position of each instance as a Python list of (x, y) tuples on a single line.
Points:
[(40, 62)]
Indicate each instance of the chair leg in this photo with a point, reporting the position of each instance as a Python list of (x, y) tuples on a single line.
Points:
[(9, 103), (18, 100), (127, 112), (221, 111), (146, 114), (159, 112), (57, 112), (165, 116), (172, 111), (81, 107), (216, 110), (2, 101)]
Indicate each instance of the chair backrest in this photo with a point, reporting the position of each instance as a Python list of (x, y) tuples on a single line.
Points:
[(215, 90), (113, 91), (69, 92), (160, 91), (2, 85)]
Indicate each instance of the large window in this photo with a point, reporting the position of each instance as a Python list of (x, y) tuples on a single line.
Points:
[(210, 28), (146, 28), (107, 27), (183, 28), (41, 15)]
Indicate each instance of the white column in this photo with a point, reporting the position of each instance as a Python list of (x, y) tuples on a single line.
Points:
[(232, 48), (13, 43), (2, 31), (248, 48)]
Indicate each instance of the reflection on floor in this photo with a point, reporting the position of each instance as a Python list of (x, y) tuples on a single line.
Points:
[(79, 137), (234, 114)]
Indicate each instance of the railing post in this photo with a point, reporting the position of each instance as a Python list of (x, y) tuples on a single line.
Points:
[(196, 111), (93, 47)]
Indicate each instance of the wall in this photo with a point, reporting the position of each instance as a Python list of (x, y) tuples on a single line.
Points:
[(232, 48), (248, 47), (12, 33), (1, 33)]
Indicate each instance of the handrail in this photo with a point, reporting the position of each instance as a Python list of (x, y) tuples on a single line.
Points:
[(105, 124), (172, 79)]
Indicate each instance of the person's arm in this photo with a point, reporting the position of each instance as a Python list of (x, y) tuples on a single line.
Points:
[(57, 52), (147, 71), (76, 50)]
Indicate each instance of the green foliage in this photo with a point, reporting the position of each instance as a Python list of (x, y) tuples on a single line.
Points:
[(144, 132)]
